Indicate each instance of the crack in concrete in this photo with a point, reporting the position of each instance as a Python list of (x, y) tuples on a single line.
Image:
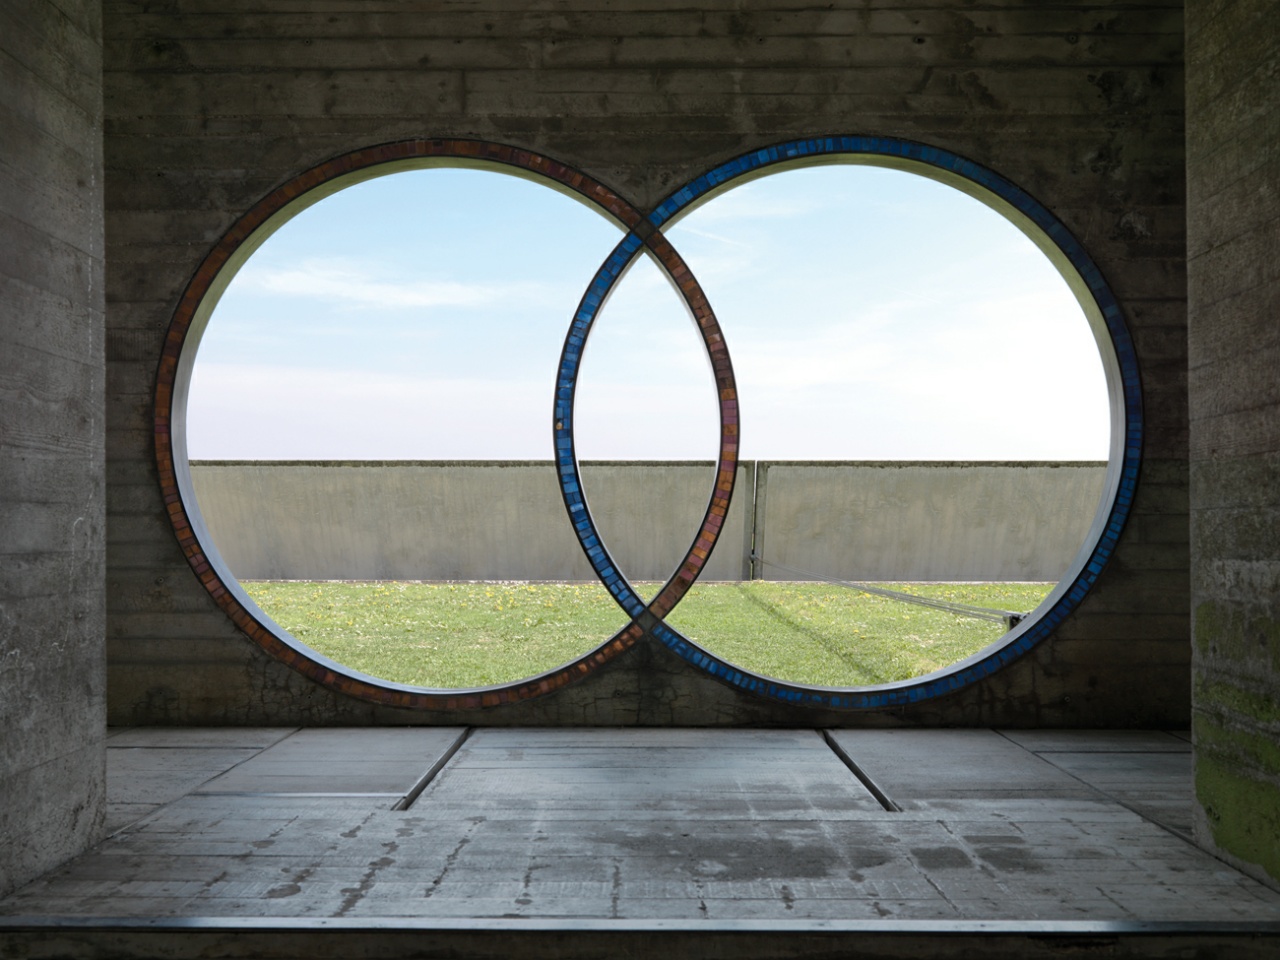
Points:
[(355, 894), (615, 893), (355, 831), (929, 880), (525, 899), (452, 858)]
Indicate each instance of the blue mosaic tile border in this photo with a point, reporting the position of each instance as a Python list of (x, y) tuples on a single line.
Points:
[(566, 460), (708, 532), (782, 155)]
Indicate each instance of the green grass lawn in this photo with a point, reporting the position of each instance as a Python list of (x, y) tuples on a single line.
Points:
[(476, 634)]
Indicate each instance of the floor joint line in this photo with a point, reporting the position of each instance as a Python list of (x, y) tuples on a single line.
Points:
[(863, 777), (1105, 794), (410, 798)]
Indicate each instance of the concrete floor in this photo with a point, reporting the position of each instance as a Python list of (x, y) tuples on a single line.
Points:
[(714, 829)]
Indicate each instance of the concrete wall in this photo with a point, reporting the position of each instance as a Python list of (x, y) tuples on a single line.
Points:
[(52, 564), (505, 520), (1234, 297), (211, 105), (496, 520), (925, 521)]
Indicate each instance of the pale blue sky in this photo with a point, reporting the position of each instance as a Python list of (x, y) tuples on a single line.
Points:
[(870, 313)]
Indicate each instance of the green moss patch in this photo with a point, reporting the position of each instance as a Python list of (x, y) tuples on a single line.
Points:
[(1243, 812)]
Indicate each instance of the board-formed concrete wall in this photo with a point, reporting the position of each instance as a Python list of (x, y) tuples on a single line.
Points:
[(1234, 298), (212, 105), (478, 520), (498, 520), (52, 502), (924, 521)]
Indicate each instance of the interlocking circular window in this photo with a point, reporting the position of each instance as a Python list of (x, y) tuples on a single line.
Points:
[(644, 235)]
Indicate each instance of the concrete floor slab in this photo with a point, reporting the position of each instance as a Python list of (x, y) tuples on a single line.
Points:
[(156, 776), (1153, 784), (1102, 741), (192, 738), (368, 761), (1128, 773), (644, 775), (650, 827), (148, 767), (918, 767)]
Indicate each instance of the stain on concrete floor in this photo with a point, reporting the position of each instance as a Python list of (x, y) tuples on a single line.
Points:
[(648, 824)]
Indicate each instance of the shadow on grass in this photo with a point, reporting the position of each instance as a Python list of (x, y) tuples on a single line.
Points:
[(776, 613)]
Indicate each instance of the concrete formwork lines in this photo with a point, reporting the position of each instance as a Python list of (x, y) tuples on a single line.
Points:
[(67, 58), (499, 11), (51, 451), (622, 23), (47, 108), (226, 122), (658, 52), (1232, 292)]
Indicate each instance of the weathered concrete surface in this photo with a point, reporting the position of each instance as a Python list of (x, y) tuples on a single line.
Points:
[(1149, 772), (341, 763), (924, 521), (1233, 101), (141, 780), (52, 497), (211, 106), (481, 520), (495, 520), (709, 843)]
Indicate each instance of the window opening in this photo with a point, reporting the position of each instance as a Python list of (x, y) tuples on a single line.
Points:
[(878, 317), (613, 317), (1122, 385), (370, 436)]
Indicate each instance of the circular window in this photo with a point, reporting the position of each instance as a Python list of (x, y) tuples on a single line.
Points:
[(905, 510), (1122, 386), (641, 606), (455, 413)]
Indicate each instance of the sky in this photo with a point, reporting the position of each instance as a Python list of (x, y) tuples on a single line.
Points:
[(871, 314)]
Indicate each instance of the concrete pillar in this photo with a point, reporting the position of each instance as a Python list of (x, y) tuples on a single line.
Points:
[(52, 540), (1233, 173)]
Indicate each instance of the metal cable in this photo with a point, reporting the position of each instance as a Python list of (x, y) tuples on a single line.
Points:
[(1008, 617)]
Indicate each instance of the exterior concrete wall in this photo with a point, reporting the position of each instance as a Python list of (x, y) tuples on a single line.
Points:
[(1234, 298), (212, 105), (923, 521), (455, 521), (505, 520), (52, 503)]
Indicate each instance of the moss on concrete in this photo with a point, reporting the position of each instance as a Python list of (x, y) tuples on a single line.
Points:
[(1238, 633), (1243, 813), (1234, 700), (1258, 752), (1236, 719)]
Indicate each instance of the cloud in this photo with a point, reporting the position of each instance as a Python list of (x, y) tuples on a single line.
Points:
[(289, 412), (716, 237), (245, 411), (835, 397), (751, 201), (345, 281), (626, 421)]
